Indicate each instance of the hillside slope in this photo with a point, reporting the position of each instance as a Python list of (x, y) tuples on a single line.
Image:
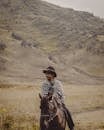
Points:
[(35, 34)]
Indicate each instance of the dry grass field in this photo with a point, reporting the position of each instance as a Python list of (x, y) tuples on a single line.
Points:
[(19, 106)]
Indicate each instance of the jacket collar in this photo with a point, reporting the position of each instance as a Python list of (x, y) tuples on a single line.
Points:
[(52, 81)]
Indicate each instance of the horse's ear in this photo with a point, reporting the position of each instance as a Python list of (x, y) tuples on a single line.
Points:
[(40, 96), (50, 98)]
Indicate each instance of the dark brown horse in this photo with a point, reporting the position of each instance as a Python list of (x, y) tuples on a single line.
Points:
[(52, 114)]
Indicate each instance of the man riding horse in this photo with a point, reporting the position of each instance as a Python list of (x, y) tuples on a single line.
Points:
[(54, 87)]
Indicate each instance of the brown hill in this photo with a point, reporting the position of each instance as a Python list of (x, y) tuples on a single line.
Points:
[(35, 34)]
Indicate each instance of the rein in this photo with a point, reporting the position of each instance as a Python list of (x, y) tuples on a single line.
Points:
[(43, 115), (51, 117)]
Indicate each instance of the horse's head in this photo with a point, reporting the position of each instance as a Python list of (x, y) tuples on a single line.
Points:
[(47, 104), (43, 103)]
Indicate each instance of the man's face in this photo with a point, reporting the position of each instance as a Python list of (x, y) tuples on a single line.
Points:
[(49, 76)]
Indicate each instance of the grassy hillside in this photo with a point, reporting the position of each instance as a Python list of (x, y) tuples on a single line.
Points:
[(37, 34)]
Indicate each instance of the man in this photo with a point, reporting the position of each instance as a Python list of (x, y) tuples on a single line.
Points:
[(54, 85)]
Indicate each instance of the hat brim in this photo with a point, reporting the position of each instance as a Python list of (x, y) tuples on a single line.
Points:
[(51, 72)]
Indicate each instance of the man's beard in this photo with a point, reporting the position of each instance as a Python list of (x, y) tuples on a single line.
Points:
[(49, 79)]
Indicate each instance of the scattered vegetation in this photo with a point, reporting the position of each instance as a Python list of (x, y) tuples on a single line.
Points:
[(2, 46), (8, 122)]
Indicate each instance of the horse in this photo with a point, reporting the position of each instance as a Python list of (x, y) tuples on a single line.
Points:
[(52, 115)]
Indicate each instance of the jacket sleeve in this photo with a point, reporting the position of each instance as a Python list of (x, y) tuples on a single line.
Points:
[(44, 89)]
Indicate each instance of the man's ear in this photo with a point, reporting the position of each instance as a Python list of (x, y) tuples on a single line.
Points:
[(40, 96)]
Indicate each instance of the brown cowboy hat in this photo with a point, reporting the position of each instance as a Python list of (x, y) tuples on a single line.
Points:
[(50, 70)]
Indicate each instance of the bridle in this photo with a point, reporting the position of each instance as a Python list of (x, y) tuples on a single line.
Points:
[(50, 116), (44, 115)]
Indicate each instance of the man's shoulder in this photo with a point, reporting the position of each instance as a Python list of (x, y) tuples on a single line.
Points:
[(45, 82), (58, 81)]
